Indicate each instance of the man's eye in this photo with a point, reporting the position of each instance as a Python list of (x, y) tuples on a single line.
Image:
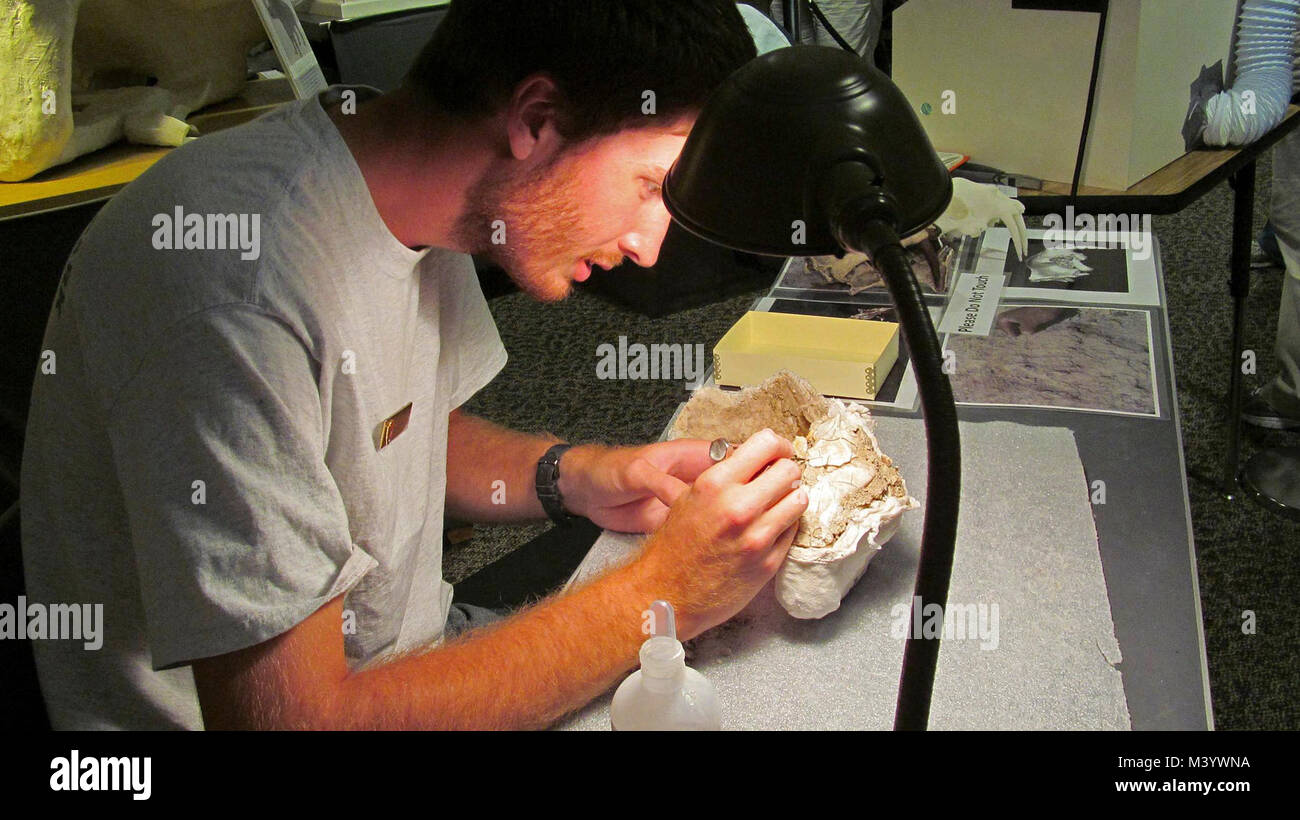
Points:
[(651, 187)]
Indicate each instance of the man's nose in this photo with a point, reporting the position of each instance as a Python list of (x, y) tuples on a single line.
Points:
[(642, 244)]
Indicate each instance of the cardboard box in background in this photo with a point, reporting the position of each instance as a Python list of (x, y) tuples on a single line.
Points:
[(1020, 79), (838, 357)]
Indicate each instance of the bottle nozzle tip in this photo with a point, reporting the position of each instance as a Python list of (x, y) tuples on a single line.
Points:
[(664, 622)]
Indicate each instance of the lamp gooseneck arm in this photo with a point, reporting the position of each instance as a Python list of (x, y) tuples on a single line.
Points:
[(862, 223)]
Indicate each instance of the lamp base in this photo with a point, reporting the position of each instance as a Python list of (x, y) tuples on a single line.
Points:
[(1272, 478)]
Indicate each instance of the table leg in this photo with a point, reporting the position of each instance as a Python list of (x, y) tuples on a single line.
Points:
[(790, 10), (1243, 211)]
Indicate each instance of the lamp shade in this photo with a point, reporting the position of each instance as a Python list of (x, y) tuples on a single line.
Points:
[(752, 173)]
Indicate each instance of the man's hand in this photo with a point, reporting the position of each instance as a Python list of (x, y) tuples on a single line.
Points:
[(629, 489), (727, 534)]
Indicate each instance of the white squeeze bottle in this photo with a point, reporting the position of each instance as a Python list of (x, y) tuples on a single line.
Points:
[(666, 694)]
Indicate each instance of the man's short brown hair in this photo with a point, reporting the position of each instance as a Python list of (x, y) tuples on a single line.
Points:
[(604, 55)]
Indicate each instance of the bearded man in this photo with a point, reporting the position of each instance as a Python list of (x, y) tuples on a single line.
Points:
[(247, 450)]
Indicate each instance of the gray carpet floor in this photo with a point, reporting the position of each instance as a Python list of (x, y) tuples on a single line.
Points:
[(1248, 559)]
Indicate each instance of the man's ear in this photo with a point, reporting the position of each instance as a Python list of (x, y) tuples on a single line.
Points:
[(531, 116)]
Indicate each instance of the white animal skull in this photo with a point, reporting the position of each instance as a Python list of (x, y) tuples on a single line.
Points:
[(1057, 265), (975, 207), (113, 68)]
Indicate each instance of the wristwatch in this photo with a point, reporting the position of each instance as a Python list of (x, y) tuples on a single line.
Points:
[(548, 486)]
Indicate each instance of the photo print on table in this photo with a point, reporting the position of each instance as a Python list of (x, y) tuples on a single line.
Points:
[(1094, 359), (934, 263), (1101, 270), (1122, 274)]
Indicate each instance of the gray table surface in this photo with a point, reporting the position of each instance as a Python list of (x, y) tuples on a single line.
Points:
[(1145, 541), (1144, 534), (1042, 656)]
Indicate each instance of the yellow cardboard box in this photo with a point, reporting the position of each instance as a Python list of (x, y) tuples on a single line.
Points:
[(838, 357)]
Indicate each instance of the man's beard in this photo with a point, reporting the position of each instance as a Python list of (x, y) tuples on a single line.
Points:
[(540, 214)]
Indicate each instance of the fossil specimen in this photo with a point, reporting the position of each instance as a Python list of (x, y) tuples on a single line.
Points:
[(855, 493)]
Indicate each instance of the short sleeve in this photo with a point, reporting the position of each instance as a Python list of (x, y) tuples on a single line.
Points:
[(472, 353), (238, 527)]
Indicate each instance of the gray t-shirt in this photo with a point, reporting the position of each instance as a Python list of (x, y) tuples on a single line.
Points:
[(205, 459)]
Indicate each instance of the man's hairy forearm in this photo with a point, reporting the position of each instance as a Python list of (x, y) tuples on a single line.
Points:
[(523, 673), (724, 538), (479, 455)]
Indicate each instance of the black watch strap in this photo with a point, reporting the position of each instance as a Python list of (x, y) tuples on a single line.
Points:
[(548, 485)]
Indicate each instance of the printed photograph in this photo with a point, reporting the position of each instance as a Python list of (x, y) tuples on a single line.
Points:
[(1122, 275), (1103, 270), (933, 263), (1077, 358)]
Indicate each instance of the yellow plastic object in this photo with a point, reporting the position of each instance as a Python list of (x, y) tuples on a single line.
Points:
[(838, 357)]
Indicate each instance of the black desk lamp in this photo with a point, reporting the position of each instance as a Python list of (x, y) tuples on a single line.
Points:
[(808, 151)]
